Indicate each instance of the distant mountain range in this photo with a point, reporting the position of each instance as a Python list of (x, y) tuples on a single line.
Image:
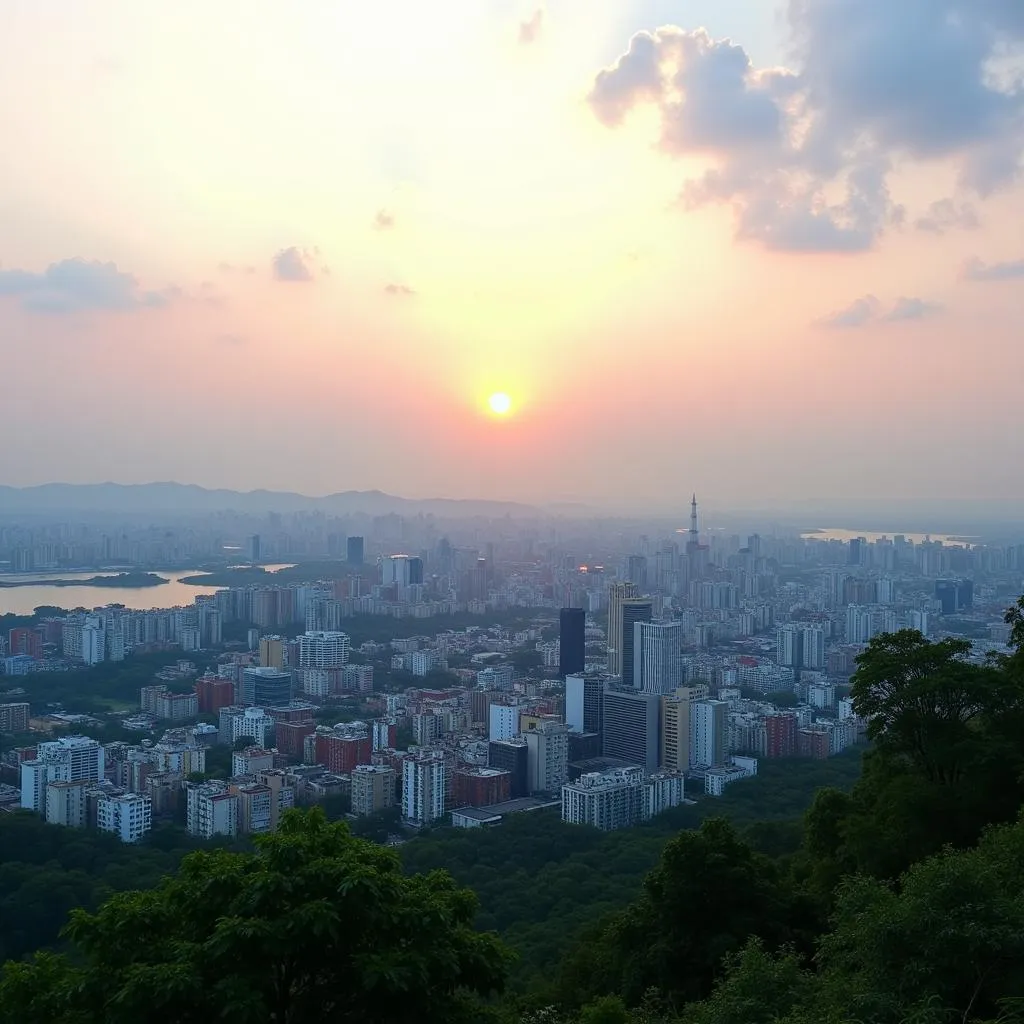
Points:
[(172, 497)]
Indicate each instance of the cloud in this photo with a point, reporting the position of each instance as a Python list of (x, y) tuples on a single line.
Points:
[(530, 30), (868, 310), (859, 313), (231, 340), (235, 268), (77, 285), (384, 220), (398, 289), (911, 309), (975, 270), (944, 214), (804, 155), (294, 264)]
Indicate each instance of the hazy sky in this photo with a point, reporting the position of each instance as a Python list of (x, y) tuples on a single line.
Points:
[(759, 250)]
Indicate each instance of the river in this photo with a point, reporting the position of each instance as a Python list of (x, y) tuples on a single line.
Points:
[(834, 533), (24, 600)]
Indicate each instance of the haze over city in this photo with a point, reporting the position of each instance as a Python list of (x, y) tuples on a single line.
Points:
[(771, 252)]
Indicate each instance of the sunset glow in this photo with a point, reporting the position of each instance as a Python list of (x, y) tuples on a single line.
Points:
[(376, 219)]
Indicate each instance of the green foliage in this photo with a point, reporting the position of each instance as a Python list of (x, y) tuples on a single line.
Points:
[(314, 925)]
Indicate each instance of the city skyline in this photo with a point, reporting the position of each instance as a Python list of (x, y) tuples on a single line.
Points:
[(731, 246)]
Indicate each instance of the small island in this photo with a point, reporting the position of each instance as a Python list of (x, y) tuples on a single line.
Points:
[(122, 580)]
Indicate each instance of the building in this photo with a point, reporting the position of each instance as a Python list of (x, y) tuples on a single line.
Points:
[(401, 571), (17, 665), (631, 730), (503, 722), (289, 737), (511, 756), (324, 649), (547, 757), (272, 652), (717, 778), (572, 641), (657, 656), (14, 717), (584, 700), (162, 703), (480, 787), (255, 807), (214, 693), (354, 551), (342, 748), (496, 677), (780, 733), (633, 612), (617, 594), (266, 687), (707, 733), (128, 815), (423, 788), (211, 810), (675, 726), (236, 722), (251, 760), (619, 798), (23, 640), (68, 759), (65, 804), (373, 788)]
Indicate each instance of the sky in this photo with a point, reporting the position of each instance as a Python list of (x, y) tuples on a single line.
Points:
[(771, 252)]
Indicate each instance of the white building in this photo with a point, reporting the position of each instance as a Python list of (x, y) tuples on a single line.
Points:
[(496, 677), (619, 798), (254, 722), (547, 757), (324, 649), (69, 759), (211, 810), (65, 804), (657, 656), (503, 722), (716, 779), (128, 815), (423, 788), (94, 643), (821, 695)]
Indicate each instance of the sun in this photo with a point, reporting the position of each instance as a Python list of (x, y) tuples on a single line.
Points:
[(500, 404)]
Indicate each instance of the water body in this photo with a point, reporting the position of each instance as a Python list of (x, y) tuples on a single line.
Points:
[(24, 600), (833, 533)]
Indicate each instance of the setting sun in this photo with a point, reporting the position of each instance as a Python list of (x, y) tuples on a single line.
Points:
[(500, 403)]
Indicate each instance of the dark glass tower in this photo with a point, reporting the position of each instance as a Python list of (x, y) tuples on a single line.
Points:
[(354, 550), (572, 641), (633, 611)]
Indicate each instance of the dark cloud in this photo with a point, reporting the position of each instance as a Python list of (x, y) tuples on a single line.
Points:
[(384, 220), (868, 310), (77, 285), (945, 214), (857, 314), (531, 29), (804, 156), (976, 270), (398, 289), (294, 264), (911, 309)]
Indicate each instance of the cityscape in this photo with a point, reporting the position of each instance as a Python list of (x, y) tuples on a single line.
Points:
[(655, 671)]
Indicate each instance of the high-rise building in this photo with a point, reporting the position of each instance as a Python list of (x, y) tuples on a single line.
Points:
[(265, 686), (657, 656), (620, 798), (788, 645), (617, 593), (255, 548), (324, 649), (272, 652), (813, 645), (634, 611), (547, 757), (211, 810), (373, 788), (511, 756), (65, 804), (572, 643), (401, 570), (707, 733), (128, 815), (14, 717), (780, 734), (503, 721), (584, 697), (630, 727), (68, 759), (22, 640), (675, 726), (423, 787), (475, 786), (354, 551)]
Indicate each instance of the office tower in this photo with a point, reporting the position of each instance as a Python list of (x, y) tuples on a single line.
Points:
[(675, 726), (415, 571), (636, 570), (617, 593), (255, 551), (707, 733), (547, 757), (423, 788), (511, 756), (354, 551), (572, 641), (657, 656), (401, 570), (584, 696), (630, 729), (954, 595), (265, 687), (272, 652), (323, 649), (634, 610)]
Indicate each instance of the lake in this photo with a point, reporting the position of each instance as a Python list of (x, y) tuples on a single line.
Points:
[(24, 600)]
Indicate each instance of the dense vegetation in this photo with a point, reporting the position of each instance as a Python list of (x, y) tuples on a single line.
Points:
[(900, 900)]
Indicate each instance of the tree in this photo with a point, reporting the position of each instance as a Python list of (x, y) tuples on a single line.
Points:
[(314, 925)]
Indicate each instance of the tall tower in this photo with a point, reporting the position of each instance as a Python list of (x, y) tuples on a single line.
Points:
[(617, 594), (693, 541)]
